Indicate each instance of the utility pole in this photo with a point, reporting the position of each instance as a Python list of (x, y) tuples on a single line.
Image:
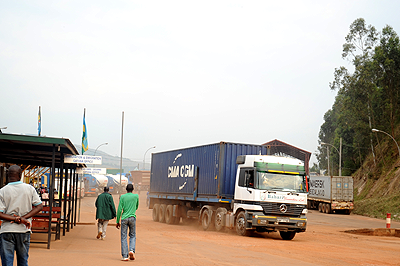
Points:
[(340, 158)]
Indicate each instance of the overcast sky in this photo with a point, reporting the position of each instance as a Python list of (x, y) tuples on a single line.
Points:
[(185, 73)]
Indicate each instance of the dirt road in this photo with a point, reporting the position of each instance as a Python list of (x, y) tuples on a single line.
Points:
[(324, 243)]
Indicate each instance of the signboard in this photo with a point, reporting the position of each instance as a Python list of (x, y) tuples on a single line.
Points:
[(92, 171), (320, 187), (84, 159)]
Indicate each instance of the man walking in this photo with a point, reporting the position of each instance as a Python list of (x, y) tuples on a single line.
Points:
[(127, 206), (16, 201), (105, 211)]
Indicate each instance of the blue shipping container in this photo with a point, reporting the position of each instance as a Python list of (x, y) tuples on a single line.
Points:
[(174, 172)]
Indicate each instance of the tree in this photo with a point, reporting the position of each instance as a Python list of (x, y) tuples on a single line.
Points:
[(387, 65), (352, 116)]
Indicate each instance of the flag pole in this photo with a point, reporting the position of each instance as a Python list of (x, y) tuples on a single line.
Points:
[(120, 164)]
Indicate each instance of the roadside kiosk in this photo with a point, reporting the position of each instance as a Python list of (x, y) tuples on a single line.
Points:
[(37, 155)]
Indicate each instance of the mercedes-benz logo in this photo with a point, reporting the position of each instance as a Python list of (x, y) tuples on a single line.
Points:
[(283, 208)]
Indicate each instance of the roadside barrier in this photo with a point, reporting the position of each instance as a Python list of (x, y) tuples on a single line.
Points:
[(387, 220)]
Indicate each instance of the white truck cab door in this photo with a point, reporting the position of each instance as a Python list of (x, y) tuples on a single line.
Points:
[(245, 180)]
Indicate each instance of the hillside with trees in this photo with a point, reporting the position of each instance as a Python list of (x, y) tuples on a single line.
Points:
[(368, 97)]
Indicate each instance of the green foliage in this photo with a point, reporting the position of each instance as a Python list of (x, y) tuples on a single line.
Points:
[(314, 168), (367, 98), (367, 188), (378, 207)]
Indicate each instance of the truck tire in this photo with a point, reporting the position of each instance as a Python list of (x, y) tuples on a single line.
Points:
[(328, 209), (287, 235), (156, 208), (206, 219), (320, 207), (240, 224), (161, 213), (219, 220), (169, 219), (323, 207)]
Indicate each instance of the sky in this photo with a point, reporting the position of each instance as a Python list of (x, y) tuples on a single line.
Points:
[(183, 73)]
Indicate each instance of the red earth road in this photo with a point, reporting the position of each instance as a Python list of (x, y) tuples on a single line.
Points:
[(324, 243)]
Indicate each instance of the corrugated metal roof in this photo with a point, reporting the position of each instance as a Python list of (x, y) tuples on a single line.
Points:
[(33, 150), (277, 146)]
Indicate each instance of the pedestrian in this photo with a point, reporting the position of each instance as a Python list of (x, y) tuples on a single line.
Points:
[(45, 197), (105, 211), (127, 207), (18, 203)]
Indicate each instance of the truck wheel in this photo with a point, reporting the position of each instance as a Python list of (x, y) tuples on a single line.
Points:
[(156, 208), (206, 219), (161, 213), (320, 207), (323, 207), (287, 235), (328, 208), (240, 224), (169, 219), (219, 220)]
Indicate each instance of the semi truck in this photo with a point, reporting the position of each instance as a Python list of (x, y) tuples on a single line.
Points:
[(141, 180), (45, 181), (331, 194), (94, 184), (114, 184), (230, 185)]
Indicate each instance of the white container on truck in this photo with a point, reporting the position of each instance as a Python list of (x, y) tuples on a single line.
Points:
[(227, 185), (331, 194)]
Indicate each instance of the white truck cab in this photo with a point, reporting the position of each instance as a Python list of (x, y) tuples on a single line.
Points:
[(270, 195)]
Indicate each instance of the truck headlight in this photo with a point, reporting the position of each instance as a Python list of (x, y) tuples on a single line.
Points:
[(305, 211)]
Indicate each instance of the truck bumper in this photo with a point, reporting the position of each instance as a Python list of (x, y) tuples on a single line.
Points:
[(279, 223), (342, 206)]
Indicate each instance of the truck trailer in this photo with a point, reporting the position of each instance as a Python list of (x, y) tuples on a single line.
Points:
[(94, 184), (230, 185), (114, 184), (331, 194)]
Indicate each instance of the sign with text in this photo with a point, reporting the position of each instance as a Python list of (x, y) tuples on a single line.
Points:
[(83, 159), (95, 171), (92, 171)]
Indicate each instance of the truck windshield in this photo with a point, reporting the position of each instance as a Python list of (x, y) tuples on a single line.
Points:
[(277, 181)]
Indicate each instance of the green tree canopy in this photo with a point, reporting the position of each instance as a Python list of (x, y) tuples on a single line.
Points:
[(366, 98)]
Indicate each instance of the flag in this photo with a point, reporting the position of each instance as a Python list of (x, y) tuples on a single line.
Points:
[(39, 123), (85, 145)]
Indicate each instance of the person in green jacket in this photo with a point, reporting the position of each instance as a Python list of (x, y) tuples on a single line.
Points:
[(105, 211), (128, 204)]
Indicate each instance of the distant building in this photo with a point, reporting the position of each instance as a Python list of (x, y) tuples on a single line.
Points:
[(280, 148), (141, 179)]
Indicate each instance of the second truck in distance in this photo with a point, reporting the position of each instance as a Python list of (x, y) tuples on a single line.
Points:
[(331, 194), (230, 185)]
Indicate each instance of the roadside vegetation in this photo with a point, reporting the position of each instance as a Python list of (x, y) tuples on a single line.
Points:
[(368, 97)]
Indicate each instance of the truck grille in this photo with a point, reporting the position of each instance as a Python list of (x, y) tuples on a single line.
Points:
[(282, 208)]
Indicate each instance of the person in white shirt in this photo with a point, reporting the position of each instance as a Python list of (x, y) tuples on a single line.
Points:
[(16, 201)]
